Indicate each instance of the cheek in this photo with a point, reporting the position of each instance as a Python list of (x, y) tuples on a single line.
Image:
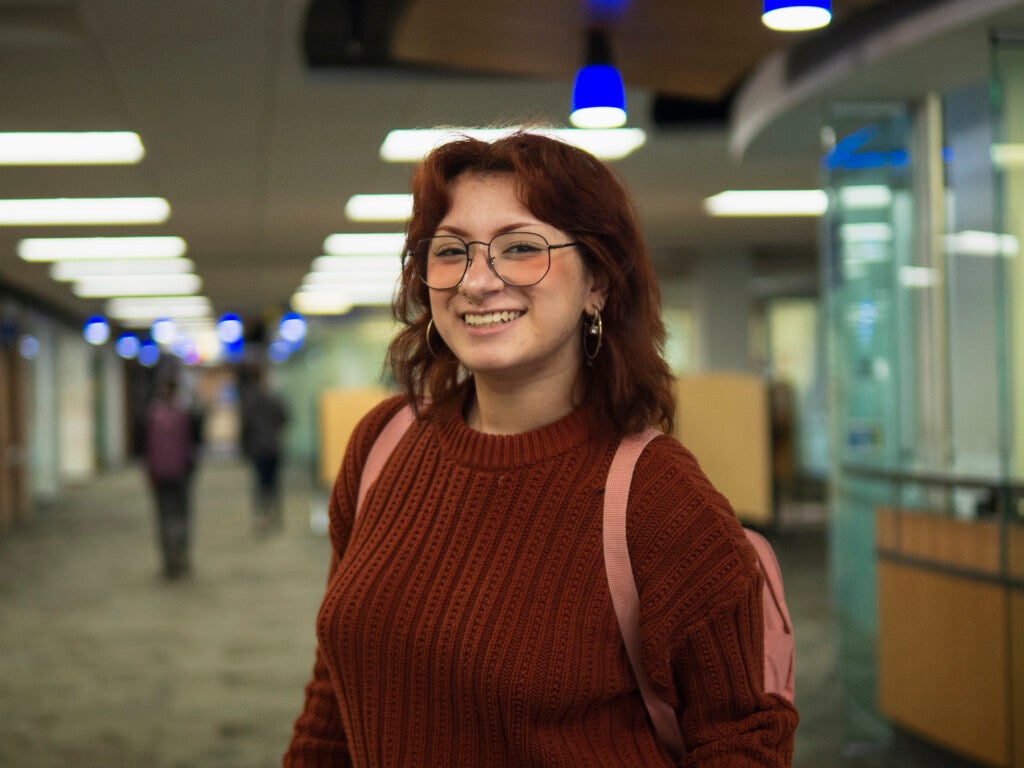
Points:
[(438, 300)]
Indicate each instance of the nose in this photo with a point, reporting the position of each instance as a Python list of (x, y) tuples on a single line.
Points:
[(480, 277)]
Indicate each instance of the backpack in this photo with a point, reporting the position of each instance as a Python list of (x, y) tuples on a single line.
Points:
[(168, 442), (779, 654)]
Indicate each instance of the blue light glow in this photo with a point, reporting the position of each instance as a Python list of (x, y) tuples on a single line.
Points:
[(149, 353), (28, 347), (230, 328), (96, 330), (292, 328), (127, 346)]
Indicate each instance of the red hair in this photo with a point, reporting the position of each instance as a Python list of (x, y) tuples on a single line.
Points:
[(629, 385)]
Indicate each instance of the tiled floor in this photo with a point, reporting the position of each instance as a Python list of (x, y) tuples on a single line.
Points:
[(105, 665)]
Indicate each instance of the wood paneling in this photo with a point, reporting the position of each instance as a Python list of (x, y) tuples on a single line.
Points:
[(340, 411), (1017, 673), (942, 659), (938, 538), (1015, 553), (723, 419)]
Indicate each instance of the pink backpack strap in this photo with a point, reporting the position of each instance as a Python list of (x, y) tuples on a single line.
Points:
[(621, 582), (778, 629), (381, 450), (779, 649)]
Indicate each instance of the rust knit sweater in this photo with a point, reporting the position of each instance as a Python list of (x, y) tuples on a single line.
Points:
[(467, 619)]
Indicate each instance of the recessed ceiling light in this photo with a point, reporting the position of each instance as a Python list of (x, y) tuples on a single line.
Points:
[(85, 210), (71, 148), (411, 145), (768, 202), (66, 248)]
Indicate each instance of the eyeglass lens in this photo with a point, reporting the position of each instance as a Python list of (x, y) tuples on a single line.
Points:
[(518, 258)]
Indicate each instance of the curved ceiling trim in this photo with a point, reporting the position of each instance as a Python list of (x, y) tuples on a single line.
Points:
[(779, 86)]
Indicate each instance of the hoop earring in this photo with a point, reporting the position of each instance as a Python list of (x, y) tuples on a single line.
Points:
[(430, 326), (593, 332)]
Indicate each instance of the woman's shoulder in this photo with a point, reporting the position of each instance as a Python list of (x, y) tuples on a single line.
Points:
[(681, 528), (371, 423), (668, 469)]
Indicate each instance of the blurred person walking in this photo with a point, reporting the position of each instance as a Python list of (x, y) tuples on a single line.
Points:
[(264, 416), (170, 454)]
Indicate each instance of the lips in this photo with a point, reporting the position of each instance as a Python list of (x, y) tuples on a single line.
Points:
[(490, 318)]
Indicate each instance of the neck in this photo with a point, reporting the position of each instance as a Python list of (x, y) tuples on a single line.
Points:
[(508, 408)]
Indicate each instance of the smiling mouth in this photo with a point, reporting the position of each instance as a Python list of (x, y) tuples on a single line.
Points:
[(491, 318)]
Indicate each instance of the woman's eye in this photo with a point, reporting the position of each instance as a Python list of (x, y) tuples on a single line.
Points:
[(521, 249), (451, 252)]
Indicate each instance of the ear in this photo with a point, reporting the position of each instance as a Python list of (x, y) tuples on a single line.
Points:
[(597, 293)]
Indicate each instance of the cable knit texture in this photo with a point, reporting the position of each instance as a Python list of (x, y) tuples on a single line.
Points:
[(467, 619)]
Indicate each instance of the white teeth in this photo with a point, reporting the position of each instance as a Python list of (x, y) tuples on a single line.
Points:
[(491, 318)]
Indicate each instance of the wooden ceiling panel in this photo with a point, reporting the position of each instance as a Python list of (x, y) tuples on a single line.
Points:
[(672, 47)]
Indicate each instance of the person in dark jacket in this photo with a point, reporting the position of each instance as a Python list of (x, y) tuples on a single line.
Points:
[(264, 416)]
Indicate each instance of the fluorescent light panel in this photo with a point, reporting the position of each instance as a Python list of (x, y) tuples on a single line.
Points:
[(356, 267), (768, 202), (1007, 155), (379, 207), (371, 243), (865, 197), (85, 210), (71, 148), (130, 285), (150, 308), (866, 232), (76, 270), (312, 303), (411, 145), (355, 294), (918, 277), (65, 248), (971, 242)]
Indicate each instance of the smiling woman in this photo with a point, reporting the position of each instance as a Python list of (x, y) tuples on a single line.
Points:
[(467, 619)]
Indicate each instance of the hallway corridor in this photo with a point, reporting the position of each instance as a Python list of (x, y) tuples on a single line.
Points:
[(103, 664)]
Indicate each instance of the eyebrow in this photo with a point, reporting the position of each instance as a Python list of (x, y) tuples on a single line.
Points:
[(521, 227)]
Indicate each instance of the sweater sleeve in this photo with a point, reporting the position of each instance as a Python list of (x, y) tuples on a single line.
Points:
[(318, 736), (702, 621)]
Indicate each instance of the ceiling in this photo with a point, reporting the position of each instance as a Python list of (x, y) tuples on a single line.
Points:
[(257, 150)]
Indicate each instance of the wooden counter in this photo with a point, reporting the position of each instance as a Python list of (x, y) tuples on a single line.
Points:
[(951, 634)]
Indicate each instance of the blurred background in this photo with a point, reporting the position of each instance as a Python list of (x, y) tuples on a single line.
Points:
[(211, 190)]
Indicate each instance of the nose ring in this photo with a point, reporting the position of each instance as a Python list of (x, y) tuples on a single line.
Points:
[(462, 291)]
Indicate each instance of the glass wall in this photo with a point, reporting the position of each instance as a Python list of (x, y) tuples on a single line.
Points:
[(925, 312), (869, 235)]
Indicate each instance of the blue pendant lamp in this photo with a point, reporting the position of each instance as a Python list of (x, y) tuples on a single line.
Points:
[(796, 15), (598, 96)]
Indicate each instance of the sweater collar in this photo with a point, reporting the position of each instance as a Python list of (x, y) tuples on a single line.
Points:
[(467, 446)]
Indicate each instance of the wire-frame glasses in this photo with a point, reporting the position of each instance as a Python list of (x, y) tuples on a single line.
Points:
[(517, 258)]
